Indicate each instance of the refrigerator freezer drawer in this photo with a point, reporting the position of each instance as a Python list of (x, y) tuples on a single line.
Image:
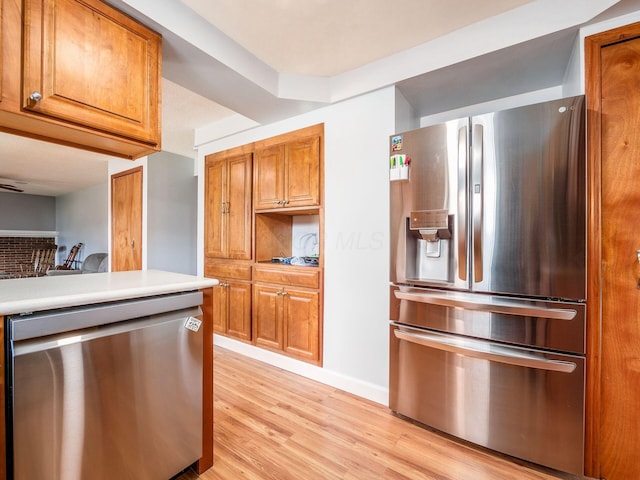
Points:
[(531, 323), (524, 403)]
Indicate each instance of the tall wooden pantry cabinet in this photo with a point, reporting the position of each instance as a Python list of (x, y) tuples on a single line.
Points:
[(271, 293)]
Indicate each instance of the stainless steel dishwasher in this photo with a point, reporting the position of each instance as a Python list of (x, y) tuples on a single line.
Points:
[(110, 391)]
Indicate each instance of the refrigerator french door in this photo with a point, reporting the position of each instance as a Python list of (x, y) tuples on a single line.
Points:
[(509, 188), (489, 271)]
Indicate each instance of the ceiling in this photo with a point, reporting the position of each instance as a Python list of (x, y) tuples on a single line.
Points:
[(229, 65), (325, 38)]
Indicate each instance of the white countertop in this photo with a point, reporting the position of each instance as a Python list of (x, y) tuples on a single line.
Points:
[(44, 293)]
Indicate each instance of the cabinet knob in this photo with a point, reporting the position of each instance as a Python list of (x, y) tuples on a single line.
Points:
[(35, 96), (278, 202)]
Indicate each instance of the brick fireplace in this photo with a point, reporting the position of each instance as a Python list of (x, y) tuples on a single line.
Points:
[(14, 250)]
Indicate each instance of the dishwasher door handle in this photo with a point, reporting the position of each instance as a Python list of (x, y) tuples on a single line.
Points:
[(25, 347), (484, 351), (510, 308)]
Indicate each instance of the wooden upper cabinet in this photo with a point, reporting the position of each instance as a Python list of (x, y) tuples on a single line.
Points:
[(302, 173), (268, 188), (2, 27), (288, 175), (228, 206), (80, 73), (86, 62)]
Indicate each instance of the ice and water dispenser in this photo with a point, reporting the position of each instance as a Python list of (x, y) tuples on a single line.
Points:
[(428, 246)]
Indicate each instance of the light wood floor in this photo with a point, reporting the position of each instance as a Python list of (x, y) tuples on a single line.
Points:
[(275, 425)]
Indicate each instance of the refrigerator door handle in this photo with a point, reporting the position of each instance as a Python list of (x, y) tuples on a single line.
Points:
[(463, 153), (477, 159), (509, 308), (484, 350)]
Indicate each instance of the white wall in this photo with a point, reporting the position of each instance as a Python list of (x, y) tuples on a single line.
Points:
[(83, 216), (19, 211), (406, 117), (356, 286), (528, 98), (168, 210), (171, 213)]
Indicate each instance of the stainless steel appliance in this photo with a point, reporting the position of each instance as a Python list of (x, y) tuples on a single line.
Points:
[(488, 267), (107, 391)]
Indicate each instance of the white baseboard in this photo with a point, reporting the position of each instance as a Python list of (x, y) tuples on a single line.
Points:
[(372, 392)]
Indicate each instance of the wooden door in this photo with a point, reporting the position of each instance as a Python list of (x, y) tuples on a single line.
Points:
[(300, 319), (268, 175), (302, 172), (87, 63), (238, 207), (239, 310), (613, 93), (126, 220), (215, 207), (267, 317)]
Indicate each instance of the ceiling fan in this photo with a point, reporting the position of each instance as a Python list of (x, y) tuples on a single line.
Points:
[(11, 188), (10, 184), (31, 185)]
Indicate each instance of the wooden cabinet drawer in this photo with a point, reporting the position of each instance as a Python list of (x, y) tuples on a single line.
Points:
[(302, 277), (217, 269)]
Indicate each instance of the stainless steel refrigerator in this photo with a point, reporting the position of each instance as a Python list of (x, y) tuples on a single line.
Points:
[(488, 273)]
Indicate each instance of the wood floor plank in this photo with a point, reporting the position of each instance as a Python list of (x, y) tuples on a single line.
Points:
[(274, 425)]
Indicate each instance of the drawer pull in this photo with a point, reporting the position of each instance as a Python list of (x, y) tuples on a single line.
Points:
[(484, 351), (498, 306)]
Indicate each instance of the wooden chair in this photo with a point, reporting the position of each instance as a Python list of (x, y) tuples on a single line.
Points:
[(43, 258), (71, 258)]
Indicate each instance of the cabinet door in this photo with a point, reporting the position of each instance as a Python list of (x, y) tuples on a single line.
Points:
[(300, 318), (238, 207), (87, 63), (267, 317), (219, 300), (302, 173), (215, 186), (268, 186), (239, 310)]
